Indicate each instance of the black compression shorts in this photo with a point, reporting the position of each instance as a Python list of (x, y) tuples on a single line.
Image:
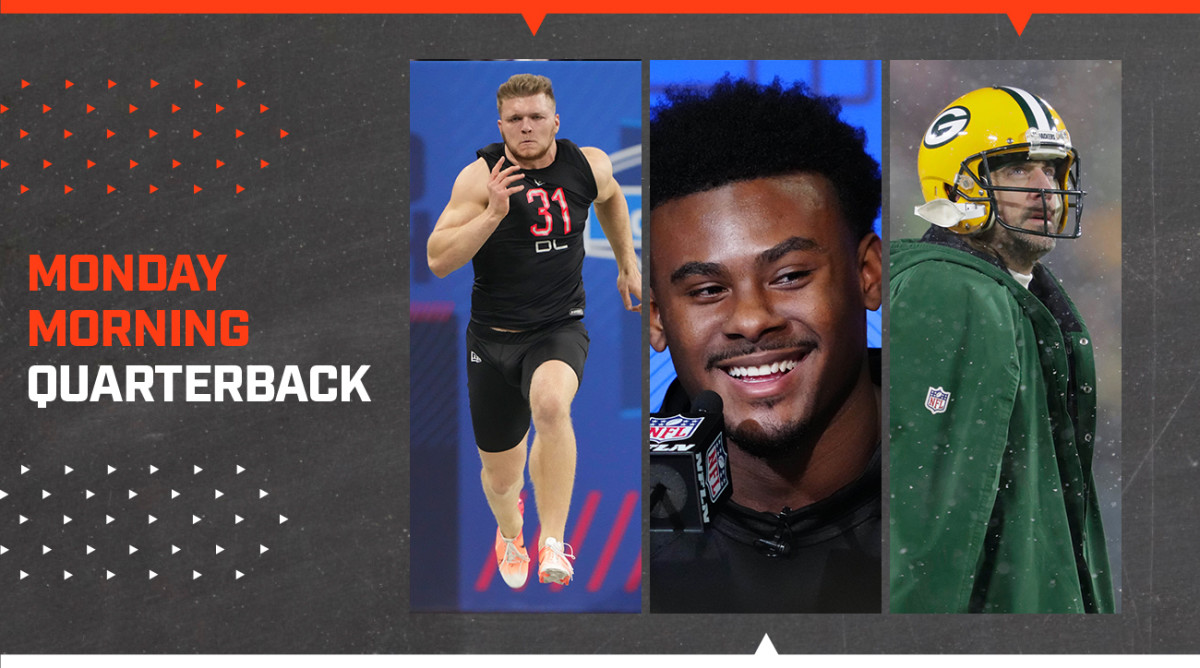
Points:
[(500, 366)]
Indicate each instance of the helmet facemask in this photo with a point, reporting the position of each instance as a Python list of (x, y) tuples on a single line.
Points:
[(977, 175)]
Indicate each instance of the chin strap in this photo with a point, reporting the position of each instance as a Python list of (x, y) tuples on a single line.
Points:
[(944, 213)]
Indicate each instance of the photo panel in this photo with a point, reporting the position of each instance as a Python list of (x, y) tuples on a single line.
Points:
[(1005, 336), (454, 562), (763, 256)]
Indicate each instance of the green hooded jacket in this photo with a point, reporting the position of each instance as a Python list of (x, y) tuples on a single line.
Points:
[(993, 416)]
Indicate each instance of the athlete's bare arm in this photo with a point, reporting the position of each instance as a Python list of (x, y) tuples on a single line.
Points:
[(478, 202), (612, 212)]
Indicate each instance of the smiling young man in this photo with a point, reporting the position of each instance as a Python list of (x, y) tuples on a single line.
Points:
[(763, 261), (993, 402), (517, 213)]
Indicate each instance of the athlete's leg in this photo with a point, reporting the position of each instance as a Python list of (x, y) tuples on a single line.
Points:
[(503, 476), (552, 459)]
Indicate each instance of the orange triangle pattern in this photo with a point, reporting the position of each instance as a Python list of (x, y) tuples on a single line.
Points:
[(282, 133), (240, 83), (90, 109), (220, 164), (262, 108), (3, 164), (196, 133), (110, 190), (153, 134), (110, 134), (174, 108), (198, 83), (132, 108), (262, 164), (25, 84), (132, 164), (196, 189), (24, 134), (46, 163), (3, 109), (67, 189), (67, 83), (239, 188), (219, 109), (153, 188), (90, 164), (175, 163), (23, 188), (67, 133), (111, 83), (237, 133), (45, 108), (153, 83)]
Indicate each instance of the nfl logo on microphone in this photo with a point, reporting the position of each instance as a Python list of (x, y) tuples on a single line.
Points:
[(937, 400)]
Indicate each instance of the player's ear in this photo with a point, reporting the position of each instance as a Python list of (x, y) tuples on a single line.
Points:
[(870, 270), (658, 340)]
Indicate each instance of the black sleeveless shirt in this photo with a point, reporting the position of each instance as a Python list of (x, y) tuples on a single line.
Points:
[(529, 273)]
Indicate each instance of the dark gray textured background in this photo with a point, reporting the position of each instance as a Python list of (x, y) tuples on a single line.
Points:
[(321, 264)]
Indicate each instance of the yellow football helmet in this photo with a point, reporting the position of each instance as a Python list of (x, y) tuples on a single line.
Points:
[(977, 134)]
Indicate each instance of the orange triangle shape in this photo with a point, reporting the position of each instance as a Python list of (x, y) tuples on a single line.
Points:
[(220, 164), (46, 163), (23, 188), (24, 83), (110, 134), (90, 109), (262, 163), (3, 109), (198, 83), (24, 134), (67, 83), (110, 189), (153, 188), (239, 188), (534, 21), (174, 108), (3, 164), (45, 108), (67, 133), (111, 83), (196, 189), (240, 83), (196, 133), (132, 108), (67, 189), (282, 133), (219, 109), (237, 133), (262, 108), (152, 134), (90, 164), (1019, 20), (175, 163), (132, 164), (153, 83)]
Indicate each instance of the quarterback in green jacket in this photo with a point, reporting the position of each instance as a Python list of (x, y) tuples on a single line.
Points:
[(993, 385)]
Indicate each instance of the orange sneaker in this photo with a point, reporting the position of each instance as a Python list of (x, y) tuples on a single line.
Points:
[(554, 566), (512, 558)]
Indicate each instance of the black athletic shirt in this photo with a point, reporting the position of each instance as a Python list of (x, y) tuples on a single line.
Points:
[(529, 273), (832, 562)]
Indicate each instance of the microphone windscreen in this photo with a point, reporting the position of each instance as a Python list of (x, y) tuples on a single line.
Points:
[(708, 402)]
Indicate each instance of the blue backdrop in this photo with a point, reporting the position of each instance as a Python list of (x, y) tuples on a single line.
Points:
[(453, 113), (857, 83)]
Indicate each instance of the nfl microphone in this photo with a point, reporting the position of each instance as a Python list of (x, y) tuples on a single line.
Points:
[(689, 467)]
